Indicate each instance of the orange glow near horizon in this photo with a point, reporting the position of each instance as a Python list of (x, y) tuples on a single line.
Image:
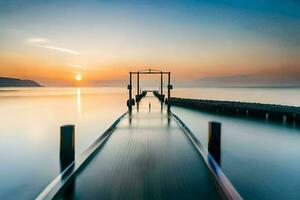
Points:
[(54, 51)]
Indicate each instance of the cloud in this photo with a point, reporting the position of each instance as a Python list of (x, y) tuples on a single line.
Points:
[(46, 43), (37, 41), (60, 49)]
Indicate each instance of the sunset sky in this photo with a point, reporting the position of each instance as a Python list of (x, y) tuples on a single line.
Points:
[(54, 41)]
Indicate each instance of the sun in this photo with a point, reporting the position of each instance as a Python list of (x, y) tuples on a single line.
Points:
[(78, 77)]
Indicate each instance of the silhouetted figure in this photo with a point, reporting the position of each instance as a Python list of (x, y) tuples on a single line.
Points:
[(130, 118), (169, 119), (149, 106)]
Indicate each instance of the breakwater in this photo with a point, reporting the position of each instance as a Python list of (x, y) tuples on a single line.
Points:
[(275, 112)]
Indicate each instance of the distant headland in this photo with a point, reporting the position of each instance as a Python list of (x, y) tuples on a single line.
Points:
[(14, 82)]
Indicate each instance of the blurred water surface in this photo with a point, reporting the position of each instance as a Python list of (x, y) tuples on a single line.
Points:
[(29, 131), (259, 157)]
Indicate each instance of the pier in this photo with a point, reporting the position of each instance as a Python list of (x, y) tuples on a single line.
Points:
[(147, 153), (150, 153), (273, 112)]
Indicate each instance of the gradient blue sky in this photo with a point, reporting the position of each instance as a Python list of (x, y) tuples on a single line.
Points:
[(52, 41)]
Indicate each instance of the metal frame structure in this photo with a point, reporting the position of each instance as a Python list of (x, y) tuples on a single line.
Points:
[(130, 102)]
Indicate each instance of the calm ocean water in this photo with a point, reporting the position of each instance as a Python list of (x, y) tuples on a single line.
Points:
[(259, 157)]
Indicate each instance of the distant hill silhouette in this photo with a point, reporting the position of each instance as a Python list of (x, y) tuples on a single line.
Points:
[(14, 82)]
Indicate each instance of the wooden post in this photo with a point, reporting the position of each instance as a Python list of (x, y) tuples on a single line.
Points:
[(138, 84), (130, 92), (67, 145), (169, 81), (214, 140), (130, 88), (169, 89), (161, 83)]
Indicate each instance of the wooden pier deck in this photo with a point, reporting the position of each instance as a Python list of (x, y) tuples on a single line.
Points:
[(145, 156)]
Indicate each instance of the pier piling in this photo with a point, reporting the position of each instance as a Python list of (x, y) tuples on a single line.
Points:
[(214, 140), (161, 83), (67, 145)]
